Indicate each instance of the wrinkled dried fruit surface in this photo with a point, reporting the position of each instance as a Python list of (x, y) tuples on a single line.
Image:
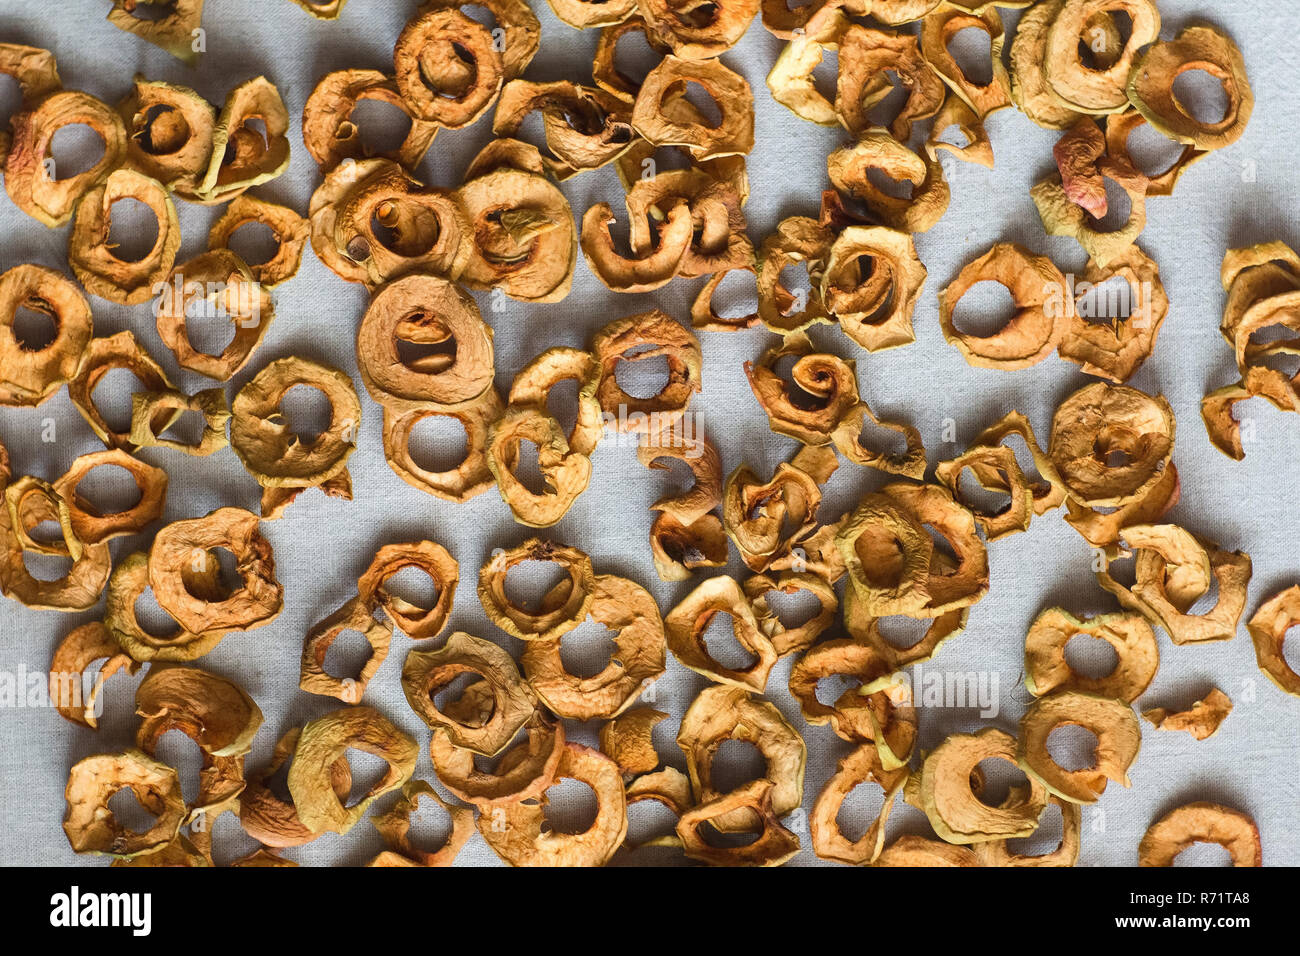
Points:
[(1201, 721)]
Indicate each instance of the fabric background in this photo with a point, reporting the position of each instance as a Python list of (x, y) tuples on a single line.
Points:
[(1242, 195)]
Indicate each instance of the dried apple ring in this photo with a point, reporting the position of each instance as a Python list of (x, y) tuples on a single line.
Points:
[(1062, 216), (821, 391), (656, 119), (1118, 129), (1048, 491), (213, 712), (472, 476), (585, 127), (1100, 424), (276, 499), (955, 811), (91, 256), (415, 622), (840, 658), (129, 581), (266, 445), (92, 827), (626, 739), (169, 132), (425, 310), (263, 857), (519, 838), (524, 238), (621, 606), (619, 341), (1072, 82), (797, 239), (1047, 671), (773, 846), (535, 380), (179, 548), (887, 556), (371, 222), (30, 501), (1268, 629), (103, 355), (244, 155), (1151, 87), (1173, 570), (330, 134), (719, 714), (355, 615), (565, 472), (700, 456), (81, 648), (1032, 333), (174, 31), (685, 624), (866, 629), (1112, 722), (564, 607), (323, 741), (947, 587), (874, 310), (859, 767), (272, 821), (955, 112), (425, 673), (152, 409), (876, 149), (998, 852), (791, 79), (1201, 822), (668, 787), (436, 46), (883, 711), (30, 376), (719, 242), (289, 229), (223, 287), (865, 57), (1030, 90), (524, 772), (604, 69), (92, 527), (1001, 461), (638, 273), (1117, 348), (789, 640), (939, 28), (28, 181), (80, 587), (679, 549), (764, 519), (1101, 527), (34, 71), (395, 825)]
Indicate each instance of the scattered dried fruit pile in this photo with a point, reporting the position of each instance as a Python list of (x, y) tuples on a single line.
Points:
[(915, 548)]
